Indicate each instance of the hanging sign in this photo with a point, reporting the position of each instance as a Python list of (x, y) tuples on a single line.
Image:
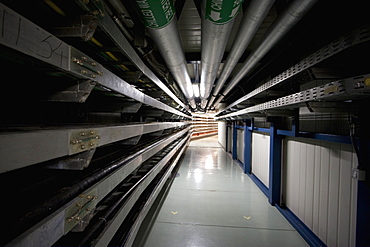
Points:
[(222, 11)]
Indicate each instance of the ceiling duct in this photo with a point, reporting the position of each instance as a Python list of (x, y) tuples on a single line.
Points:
[(281, 26), (159, 19), (217, 22), (252, 19)]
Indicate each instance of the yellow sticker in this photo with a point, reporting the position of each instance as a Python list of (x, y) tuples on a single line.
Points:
[(367, 81), (247, 218), (172, 212)]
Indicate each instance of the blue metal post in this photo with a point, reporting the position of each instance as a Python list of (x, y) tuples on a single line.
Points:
[(227, 137), (235, 136), (275, 166), (248, 147)]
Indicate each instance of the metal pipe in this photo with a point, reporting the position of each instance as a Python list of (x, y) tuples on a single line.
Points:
[(282, 25), (252, 19), (159, 20), (122, 16), (217, 21)]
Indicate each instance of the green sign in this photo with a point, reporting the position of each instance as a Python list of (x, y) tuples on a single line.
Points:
[(222, 11), (156, 13)]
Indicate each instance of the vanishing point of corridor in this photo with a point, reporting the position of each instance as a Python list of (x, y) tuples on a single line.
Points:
[(212, 203)]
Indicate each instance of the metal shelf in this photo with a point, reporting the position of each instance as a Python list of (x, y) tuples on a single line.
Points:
[(356, 37), (54, 226), (25, 37), (351, 88), (115, 224), (18, 149), (203, 125)]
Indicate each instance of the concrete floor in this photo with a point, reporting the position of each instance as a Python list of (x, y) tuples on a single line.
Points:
[(212, 203)]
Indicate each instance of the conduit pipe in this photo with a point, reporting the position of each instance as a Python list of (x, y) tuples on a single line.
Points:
[(158, 17), (281, 26), (252, 19), (217, 20)]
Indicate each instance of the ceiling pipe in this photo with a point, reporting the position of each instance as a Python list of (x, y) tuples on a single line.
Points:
[(217, 20), (159, 19), (281, 26), (196, 80), (252, 19)]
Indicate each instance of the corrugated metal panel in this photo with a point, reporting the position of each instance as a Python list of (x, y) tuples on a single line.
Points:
[(260, 156), (319, 188), (240, 147)]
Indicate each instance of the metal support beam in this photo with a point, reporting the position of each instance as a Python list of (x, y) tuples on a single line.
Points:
[(235, 141), (348, 40), (248, 146), (17, 148), (52, 227), (78, 161), (340, 90), (25, 37), (275, 166)]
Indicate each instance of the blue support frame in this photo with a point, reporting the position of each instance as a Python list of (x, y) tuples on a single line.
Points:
[(227, 138), (248, 147), (275, 166), (235, 136), (301, 228), (273, 193)]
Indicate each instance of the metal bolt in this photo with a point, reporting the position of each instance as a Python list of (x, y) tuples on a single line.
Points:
[(92, 132), (82, 134), (93, 76), (93, 64), (84, 72), (78, 204), (82, 146), (89, 197), (74, 141), (69, 220), (84, 58), (92, 144)]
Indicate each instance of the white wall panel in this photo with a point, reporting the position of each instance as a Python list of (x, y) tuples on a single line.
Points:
[(260, 156), (240, 145), (222, 133), (319, 188)]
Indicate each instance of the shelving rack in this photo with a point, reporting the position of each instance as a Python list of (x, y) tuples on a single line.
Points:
[(204, 125), (106, 132), (341, 90)]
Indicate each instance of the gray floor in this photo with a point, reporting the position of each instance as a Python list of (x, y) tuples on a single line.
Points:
[(212, 203)]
